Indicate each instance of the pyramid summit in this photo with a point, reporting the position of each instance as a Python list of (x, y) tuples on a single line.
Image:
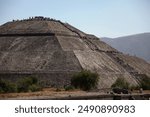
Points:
[(53, 51)]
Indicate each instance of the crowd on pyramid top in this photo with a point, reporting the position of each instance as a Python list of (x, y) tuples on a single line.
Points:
[(36, 18)]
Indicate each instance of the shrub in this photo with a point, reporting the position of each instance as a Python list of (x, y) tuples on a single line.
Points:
[(85, 80), (24, 85), (68, 88), (121, 83), (34, 88), (1, 90), (7, 87), (3, 86), (135, 87), (28, 84), (12, 88), (145, 82)]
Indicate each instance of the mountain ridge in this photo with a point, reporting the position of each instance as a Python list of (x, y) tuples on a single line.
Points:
[(136, 45)]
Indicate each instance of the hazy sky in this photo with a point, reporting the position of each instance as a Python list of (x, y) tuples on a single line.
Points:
[(104, 18)]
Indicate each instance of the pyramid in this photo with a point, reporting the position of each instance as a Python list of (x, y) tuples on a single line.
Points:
[(53, 51)]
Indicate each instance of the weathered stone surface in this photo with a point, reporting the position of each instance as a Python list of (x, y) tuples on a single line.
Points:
[(53, 51)]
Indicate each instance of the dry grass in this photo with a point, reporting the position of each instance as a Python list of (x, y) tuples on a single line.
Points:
[(45, 92), (53, 93)]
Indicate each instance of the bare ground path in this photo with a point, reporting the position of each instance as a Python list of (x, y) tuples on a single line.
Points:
[(52, 93)]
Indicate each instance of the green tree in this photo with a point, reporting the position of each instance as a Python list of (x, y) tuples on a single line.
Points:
[(85, 80), (145, 82), (28, 84), (121, 83), (7, 86)]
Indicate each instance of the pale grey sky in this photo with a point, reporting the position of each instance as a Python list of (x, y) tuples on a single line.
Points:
[(103, 18)]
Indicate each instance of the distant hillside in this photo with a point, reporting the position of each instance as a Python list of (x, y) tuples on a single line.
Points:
[(138, 45)]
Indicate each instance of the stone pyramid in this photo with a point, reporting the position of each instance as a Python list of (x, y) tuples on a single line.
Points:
[(52, 51)]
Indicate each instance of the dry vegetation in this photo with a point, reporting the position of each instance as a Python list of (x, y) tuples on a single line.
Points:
[(46, 92), (53, 93)]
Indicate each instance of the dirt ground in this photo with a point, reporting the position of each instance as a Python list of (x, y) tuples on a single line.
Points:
[(52, 93), (46, 92)]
